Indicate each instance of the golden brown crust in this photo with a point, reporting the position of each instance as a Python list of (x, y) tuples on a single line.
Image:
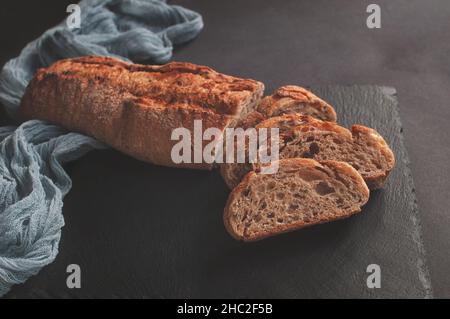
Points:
[(291, 98), (288, 99), (235, 193), (377, 181), (350, 171), (293, 164), (133, 107), (288, 122)]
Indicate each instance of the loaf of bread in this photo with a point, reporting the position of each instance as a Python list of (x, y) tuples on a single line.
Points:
[(302, 193), (286, 100), (306, 137), (134, 108)]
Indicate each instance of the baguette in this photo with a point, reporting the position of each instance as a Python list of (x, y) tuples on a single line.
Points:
[(302, 193), (306, 137), (134, 108)]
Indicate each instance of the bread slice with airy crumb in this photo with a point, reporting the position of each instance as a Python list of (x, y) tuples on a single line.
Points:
[(287, 100), (303, 192), (306, 137)]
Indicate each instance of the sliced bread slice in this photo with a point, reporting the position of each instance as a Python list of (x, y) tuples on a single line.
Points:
[(303, 192), (286, 100), (306, 137)]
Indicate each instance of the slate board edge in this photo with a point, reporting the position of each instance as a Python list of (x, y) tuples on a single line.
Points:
[(424, 274)]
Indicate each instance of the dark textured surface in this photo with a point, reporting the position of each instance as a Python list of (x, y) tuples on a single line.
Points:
[(325, 42), (293, 41), (147, 231)]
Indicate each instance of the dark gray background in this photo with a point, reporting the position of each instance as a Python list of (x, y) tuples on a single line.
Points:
[(324, 42)]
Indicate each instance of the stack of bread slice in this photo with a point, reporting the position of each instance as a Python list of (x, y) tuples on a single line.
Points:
[(325, 170)]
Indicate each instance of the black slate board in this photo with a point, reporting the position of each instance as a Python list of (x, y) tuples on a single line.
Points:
[(138, 230)]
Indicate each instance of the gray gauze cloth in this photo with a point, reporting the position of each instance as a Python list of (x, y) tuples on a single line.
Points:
[(32, 179)]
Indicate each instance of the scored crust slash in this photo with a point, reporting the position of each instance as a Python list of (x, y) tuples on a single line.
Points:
[(325, 171)]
